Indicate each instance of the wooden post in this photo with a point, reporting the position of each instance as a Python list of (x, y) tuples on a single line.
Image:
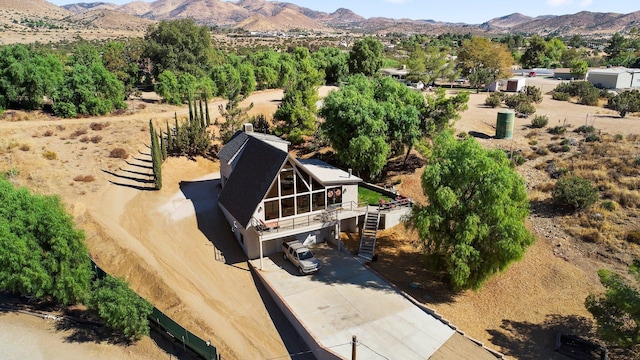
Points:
[(353, 347)]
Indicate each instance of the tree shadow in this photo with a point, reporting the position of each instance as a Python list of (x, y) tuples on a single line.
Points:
[(137, 187), (399, 167), (480, 135), (136, 172), (124, 177), (547, 209), (203, 195), (531, 341), (139, 165)]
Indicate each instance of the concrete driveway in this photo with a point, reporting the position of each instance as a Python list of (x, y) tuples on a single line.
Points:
[(344, 299)]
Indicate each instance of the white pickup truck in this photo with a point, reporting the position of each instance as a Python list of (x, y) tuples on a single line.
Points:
[(300, 256)]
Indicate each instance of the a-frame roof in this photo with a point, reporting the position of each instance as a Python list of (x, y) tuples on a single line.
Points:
[(237, 141), (251, 178)]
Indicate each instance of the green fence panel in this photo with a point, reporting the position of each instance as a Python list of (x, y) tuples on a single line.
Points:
[(193, 342)]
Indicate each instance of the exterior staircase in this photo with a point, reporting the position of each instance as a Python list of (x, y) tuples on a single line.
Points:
[(368, 237)]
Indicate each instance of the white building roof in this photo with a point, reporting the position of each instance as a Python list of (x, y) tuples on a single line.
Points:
[(326, 173), (613, 71)]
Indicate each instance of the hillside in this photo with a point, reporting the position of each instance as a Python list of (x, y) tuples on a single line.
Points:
[(262, 15)]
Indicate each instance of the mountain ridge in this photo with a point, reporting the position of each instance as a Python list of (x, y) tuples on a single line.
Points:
[(242, 14)]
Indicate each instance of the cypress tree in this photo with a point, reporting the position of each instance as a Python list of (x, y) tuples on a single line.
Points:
[(190, 111), (206, 106), (170, 145), (163, 147), (158, 164), (202, 124)]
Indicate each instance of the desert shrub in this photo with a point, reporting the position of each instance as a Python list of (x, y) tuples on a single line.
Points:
[(98, 126), (11, 173), (119, 153), (586, 92), (533, 142), (25, 147), (634, 236), (61, 127), (557, 130), (565, 148), (512, 101), (47, 133), (565, 142), (592, 138), (84, 139), (531, 134), (618, 137), (517, 159), (525, 109), (542, 151), (494, 100), (589, 97), (636, 161), (585, 129), (75, 134), (575, 192), (533, 93), (609, 205), (96, 139), (463, 135), (50, 155), (625, 102), (84, 178), (540, 121), (561, 96)]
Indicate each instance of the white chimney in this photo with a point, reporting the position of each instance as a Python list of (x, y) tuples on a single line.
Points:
[(350, 172), (247, 127)]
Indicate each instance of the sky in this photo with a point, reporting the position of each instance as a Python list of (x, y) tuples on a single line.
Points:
[(466, 11)]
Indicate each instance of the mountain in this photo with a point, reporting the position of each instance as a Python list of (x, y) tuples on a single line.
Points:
[(508, 21), (109, 19), (261, 15), (83, 7)]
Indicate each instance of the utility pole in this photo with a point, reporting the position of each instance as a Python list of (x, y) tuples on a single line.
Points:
[(353, 347)]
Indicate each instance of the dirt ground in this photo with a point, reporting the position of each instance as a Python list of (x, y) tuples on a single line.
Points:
[(163, 244)]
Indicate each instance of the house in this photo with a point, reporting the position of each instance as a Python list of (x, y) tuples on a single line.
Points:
[(515, 84), (565, 74), (496, 85), (615, 78), (269, 196), (398, 74)]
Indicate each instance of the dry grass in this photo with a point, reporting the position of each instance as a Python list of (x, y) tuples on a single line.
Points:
[(25, 147), (96, 139), (97, 126), (48, 132), (50, 155), (75, 134)]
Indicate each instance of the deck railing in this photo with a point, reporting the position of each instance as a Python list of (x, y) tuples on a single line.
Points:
[(327, 216)]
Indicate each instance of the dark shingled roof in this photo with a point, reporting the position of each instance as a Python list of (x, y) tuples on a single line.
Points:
[(239, 138), (232, 146), (251, 178)]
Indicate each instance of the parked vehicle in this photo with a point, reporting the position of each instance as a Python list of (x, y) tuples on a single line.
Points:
[(300, 256)]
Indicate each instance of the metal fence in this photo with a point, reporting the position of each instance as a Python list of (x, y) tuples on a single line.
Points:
[(166, 324)]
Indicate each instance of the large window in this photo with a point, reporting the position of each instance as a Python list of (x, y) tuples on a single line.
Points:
[(271, 210), (295, 192), (318, 201), (302, 204)]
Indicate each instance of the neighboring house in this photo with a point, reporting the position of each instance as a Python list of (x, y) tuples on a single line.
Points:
[(565, 74), (615, 78), (398, 74), (496, 85)]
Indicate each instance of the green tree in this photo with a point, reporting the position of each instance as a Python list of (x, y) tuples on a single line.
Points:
[(180, 46), (156, 157), (120, 308), (575, 192), (442, 111), (579, 69), (227, 80), (247, 79), (430, 65), (333, 63), (123, 59), (168, 88), (473, 225), (88, 88), (26, 77), (355, 126), (365, 56), (617, 311), (483, 61), (625, 102), (536, 54), (42, 253)]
